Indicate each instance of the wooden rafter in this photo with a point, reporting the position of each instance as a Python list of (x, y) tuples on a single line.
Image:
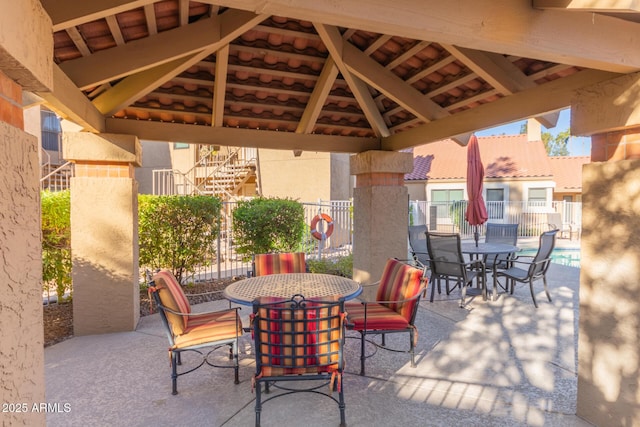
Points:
[(551, 96), (241, 137), (333, 41), (136, 85)]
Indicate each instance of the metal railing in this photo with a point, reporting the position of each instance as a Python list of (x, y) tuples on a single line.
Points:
[(532, 216), (56, 179), (228, 263)]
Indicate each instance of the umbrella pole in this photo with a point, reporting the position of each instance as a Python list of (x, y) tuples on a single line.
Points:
[(476, 234)]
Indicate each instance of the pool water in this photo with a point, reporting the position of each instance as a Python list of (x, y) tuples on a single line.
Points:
[(568, 257)]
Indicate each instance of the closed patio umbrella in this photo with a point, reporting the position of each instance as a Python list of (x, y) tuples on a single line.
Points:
[(476, 213)]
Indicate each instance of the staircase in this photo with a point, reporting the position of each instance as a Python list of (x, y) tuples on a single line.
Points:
[(214, 174), (55, 177)]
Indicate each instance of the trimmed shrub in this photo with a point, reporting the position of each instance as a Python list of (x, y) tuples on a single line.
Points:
[(56, 241), (264, 225), (177, 232)]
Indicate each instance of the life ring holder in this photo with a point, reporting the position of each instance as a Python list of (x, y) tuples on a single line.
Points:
[(314, 223)]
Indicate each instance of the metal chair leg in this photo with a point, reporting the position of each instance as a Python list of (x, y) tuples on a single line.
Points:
[(546, 289), (362, 355), (533, 295), (175, 356)]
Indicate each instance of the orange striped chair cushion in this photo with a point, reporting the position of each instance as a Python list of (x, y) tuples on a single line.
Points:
[(172, 297), (219, 326), (378, 317), (265, 264), (298, 340), (399, 281)]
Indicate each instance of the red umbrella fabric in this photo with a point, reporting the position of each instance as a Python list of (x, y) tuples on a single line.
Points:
[(476, 213)]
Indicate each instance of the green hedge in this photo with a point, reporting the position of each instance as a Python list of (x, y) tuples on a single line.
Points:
[(177, 232), (56, 241), (264, 225)]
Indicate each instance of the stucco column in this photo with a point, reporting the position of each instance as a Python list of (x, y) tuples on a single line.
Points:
[(380, 211), (104, 231), (26, 64), (608, 347), (21, 326)]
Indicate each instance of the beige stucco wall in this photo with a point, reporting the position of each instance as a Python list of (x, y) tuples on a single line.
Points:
[(104, 246), (341, 180), (306, 178), (155, 155), (609, 339), (417, 190), (21, 326)]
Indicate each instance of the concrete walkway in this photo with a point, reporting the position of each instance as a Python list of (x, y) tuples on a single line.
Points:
[(500, 363)]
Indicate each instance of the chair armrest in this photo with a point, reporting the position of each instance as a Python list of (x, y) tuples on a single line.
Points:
[(475, 262), (518, 257), (400, 301), (204, 313), (371, 284)]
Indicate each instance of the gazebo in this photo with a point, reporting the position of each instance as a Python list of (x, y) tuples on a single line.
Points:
[(370, 78)]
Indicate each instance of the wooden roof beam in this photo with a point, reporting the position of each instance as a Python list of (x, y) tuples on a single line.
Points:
[(500, 73), (333, 41), (71, 13), (545, 98), (604, 6), (501, 26), (159, 131)]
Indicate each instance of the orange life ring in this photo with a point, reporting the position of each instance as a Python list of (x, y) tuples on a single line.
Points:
[(314, 223)]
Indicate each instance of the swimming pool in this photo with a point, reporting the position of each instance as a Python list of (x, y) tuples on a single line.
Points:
[(568, 257)]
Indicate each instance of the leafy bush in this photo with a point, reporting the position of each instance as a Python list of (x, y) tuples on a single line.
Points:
[(457, 211), (342, 266), (177, 232), (56, 241), (264, 225)]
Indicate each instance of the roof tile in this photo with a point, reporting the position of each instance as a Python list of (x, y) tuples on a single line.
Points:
[(505, 156)]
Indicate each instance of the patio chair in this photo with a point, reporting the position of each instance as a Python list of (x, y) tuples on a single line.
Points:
[(418, 249), (448, 263), (298, 340), (193, 332), (394, 310), (527, 269), (500, 233), (278, 263), (555, 222)]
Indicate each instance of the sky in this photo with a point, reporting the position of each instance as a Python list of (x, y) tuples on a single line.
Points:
[(578, 146)]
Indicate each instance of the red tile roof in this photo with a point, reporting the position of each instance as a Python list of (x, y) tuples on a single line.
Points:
[(567, 172), (505, 156)]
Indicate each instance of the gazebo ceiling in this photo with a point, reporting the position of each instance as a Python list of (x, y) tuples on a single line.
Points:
[(328, 76)]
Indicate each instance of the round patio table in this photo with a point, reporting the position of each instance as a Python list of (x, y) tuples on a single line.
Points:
[(309, 285), (488, 249)]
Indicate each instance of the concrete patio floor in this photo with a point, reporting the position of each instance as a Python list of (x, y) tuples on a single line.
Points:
[(494, 363)]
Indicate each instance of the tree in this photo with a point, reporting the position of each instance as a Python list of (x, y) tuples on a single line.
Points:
[(558, 145), (555, 145)]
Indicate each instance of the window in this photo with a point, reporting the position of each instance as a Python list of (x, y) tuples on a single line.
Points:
[(50, 130), (443, 199), (180, 145), (537, 195), (495, 203)]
